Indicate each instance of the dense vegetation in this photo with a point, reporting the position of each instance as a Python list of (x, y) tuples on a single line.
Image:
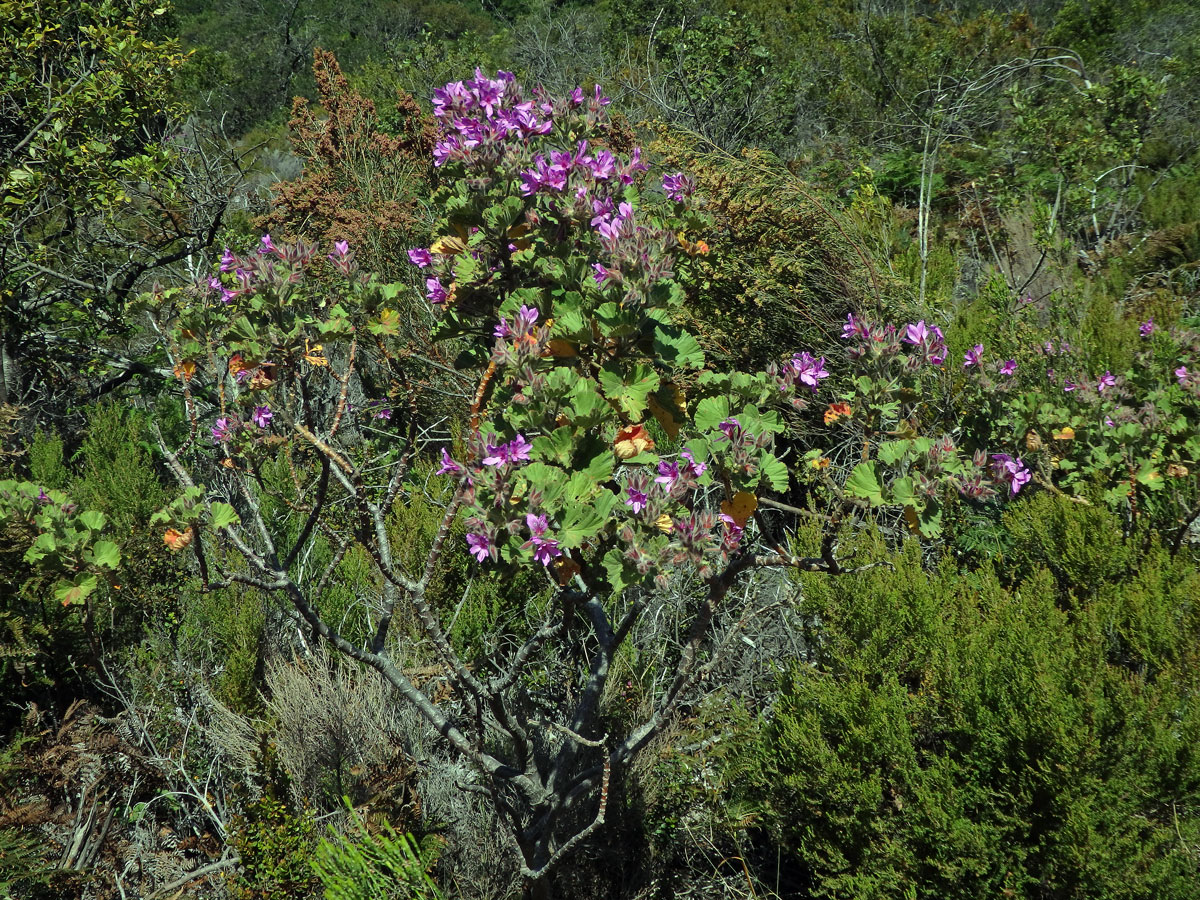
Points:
[(604, 449)]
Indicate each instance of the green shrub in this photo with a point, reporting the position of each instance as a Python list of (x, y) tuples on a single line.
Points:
[(955, 738), (376, 864)]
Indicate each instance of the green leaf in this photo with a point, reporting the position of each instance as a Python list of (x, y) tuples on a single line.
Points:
[(106, 554), (891, 452), (864, 482), (42, 547), (629, 391), (92, 520), (677, 347), (224, 515), (711, 412), (72, 592), (774, 471)]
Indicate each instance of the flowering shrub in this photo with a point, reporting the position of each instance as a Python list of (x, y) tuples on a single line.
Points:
[(1135, 434), (598, 447)]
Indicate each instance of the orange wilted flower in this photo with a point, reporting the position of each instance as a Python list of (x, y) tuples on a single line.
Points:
[(837, 411), (185, 370), (820, 463), (177, 540), (632, 440)]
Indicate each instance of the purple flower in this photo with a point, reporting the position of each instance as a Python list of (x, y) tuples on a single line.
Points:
[(449, 466), (1109, 422), (1010, 471), (600, 274), (915, 334), (693, 469), (810, 371), (385, 414), (637, 499), (545, 549), (1009, 367), (1147, 328), (1048, 348), (575, 98), (420, 257), (262, 416), (42, 496), (267, 246), (228, 261), (1181, 373), (1068, 385), (518, 448), (537, 525), (668, 474), (973, 357), (678, 187), (731, 428), (220, 429), (435, 292), (479, 546), (495, 455), (1106, 381), (501, 331)]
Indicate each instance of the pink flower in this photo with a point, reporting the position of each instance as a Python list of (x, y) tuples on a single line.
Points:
[(1068, 385), (1009, 367), (479, 546), (262, 416), (637, 499), (545, 549), (973, 357), (518, 449), (220, 429), (1106, 381), (678, 187), (693, 469), (668, 474), (537, 525), (915, 334), (810, 371), (420, 257), (435, 292), (1181, 373), (449, 466), (496, 455), (1010, 471), (1147, 328)]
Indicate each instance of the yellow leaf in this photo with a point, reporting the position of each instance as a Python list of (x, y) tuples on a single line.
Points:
[(1066, 434), (561, 349), (911, 518), (821, 462), (664, 524), (449, 246), (740, 508)]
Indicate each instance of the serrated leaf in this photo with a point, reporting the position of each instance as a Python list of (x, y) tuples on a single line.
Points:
[(677, 347), (864, 482), (224, 515), (711, 412), (774, 471), (71, 592), (106, 554), (92, 520)]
